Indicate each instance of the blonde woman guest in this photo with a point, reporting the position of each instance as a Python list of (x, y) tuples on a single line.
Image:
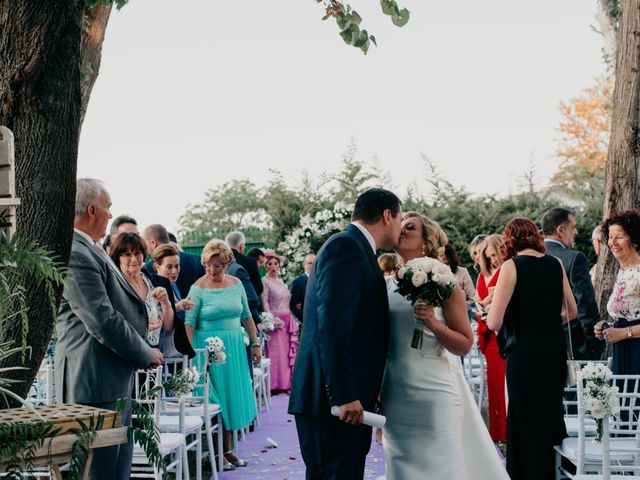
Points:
[(490, 260), (474, 248), (219, 310), (390, 263), (283, 341)]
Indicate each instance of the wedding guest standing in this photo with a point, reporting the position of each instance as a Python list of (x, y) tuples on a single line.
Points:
[(166, 262), (622, 234), (490, 260), (533, 288), (101, 327), (559, 230), (450, 257), (474, 248), (390, 263), (220, 309), (299, 287), (127, 252), (283, 341)]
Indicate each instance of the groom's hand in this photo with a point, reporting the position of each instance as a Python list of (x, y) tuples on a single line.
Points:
[(352, 412)]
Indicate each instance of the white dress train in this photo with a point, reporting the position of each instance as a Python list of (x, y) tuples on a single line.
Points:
[(434, 430)]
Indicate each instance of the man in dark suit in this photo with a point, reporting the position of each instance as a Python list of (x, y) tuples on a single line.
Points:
[(191, 268), (101, 327), (236, 242), (343, 347), (559, 230), (298, 288)]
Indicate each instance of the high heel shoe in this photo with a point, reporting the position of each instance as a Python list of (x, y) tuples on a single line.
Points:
[(234, 460)]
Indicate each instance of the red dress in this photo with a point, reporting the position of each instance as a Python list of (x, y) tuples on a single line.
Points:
[(495, 369)]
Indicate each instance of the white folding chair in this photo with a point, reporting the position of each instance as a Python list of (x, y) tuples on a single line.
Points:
[(258, 383), (173, 418), (201, 407), (620, 431), (474, 368), (172, 445), (265, 368)]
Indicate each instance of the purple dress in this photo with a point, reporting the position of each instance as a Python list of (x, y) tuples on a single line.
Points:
[(283, 341)]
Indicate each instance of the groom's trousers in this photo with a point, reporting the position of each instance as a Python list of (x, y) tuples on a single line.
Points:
[(331, 449)]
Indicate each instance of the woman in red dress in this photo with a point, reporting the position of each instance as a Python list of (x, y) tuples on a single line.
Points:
[(490, 261)]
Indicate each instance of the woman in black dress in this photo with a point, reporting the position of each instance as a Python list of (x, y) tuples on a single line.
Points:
[(533, 289)]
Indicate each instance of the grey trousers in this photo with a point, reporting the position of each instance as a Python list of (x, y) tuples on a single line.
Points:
[(112, 463)]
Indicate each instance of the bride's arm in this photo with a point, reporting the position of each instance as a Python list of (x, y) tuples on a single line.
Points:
[(455, 335)]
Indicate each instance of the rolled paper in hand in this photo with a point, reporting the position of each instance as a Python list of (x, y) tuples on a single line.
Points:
[(371, 419)]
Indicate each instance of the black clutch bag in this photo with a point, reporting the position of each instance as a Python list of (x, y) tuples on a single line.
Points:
[(506, 337)]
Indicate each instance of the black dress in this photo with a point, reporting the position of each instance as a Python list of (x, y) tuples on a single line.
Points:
[(536, 369)]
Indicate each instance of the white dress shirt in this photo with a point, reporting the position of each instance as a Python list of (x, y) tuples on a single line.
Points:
[(367, 235)]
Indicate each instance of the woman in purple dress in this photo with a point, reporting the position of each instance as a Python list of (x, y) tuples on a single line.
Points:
[(283, 340)]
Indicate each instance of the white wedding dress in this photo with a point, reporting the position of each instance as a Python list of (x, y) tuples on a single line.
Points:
[(434, 430)]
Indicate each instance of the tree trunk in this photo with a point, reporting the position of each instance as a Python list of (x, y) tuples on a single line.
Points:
[(94, 25), (40, 102), (622, 176)]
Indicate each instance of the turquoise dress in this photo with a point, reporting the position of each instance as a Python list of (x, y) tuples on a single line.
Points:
[(217, 313)]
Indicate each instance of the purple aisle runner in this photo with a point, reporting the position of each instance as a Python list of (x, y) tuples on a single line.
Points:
[(284, 462)]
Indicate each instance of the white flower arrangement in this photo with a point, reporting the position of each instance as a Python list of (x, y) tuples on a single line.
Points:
[(427, 279), (312, 232), (266, 320), (599, 397), (245, 337), (215, 347), (183, 382)]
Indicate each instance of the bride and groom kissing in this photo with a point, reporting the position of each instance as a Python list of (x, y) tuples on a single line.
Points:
[(355, 347)]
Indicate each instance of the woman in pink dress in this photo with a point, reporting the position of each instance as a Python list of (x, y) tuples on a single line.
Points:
[(283, 340)]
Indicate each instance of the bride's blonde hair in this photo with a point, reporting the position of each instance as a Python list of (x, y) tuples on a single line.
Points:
[(433, 237)]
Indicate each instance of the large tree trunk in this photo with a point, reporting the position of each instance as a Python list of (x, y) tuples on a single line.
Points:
[(94, 25), (622, 182), (40, 102)]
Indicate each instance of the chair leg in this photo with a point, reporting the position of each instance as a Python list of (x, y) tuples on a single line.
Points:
[(180, 464), (199, 459), (207, 428), (185, 461), (220, 447)]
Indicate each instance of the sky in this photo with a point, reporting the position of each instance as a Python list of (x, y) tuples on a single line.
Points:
[(194, 93)]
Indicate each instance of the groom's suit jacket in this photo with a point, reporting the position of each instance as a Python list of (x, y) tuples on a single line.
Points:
[(101, 326), (343, 345)]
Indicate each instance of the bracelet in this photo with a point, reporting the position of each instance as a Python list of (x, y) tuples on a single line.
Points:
[(446, 332), (256, 345), (629, 332)]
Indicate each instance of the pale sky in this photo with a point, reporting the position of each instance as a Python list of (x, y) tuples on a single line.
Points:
[(193, 93)]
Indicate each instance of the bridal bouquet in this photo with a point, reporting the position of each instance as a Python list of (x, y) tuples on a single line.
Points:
[(215, 347), (183, 382), (266, 320), (425, 279), (599, 397)]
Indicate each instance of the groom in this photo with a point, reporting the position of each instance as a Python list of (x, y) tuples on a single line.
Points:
[(343, 347)]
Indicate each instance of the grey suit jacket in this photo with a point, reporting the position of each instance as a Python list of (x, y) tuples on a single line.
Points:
[(101, 326), (585, 345)]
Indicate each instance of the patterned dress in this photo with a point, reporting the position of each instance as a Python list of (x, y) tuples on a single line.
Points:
[(217, 313), (283, 341), (624, 308)]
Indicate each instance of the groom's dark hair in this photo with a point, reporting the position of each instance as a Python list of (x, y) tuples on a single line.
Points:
[(371, 204)]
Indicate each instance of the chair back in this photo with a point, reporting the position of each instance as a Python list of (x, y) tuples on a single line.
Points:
[(620, 445), (201, 362), (570, 399), (146, 391), (473, 366)]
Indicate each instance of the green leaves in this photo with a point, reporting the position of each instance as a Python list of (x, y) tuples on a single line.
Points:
[(348, 20), (398, 17)]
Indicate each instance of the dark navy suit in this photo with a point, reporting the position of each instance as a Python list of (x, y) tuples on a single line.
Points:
[(341, 357), (298, 289)]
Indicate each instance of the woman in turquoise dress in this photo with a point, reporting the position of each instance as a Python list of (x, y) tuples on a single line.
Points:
[(219, 310)]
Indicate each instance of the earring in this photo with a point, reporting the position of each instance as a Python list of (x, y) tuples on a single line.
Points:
[(424, 249)]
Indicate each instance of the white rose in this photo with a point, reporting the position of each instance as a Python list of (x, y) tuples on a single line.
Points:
[(419, 278), (401, 272)]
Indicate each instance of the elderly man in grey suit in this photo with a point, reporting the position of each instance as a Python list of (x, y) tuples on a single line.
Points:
[(101, 327), (559, 230)]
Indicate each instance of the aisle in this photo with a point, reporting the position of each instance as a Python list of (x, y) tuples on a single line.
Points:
[(284, 462)]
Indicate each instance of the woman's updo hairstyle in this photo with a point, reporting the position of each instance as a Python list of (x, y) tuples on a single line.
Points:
[(433, 236)]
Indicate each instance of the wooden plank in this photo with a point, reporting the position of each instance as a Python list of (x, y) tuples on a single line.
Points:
[(60, 447)]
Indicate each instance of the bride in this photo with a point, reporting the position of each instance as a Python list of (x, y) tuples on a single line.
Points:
[(434, 429)]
